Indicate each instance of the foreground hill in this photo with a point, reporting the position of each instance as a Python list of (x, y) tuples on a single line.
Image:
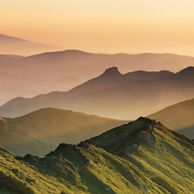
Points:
[(166, 157), (178, 117), (114, 95), (50, 127), (51, 71), (141, 157)]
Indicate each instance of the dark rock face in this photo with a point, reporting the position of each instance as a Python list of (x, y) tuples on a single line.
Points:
[(58, 156), (89, 164), (113, 71), (133, 148), (109, 190), (48, 160), (62, 148), (145, 189), (84, 145), (150, 139), (23, 175), (34, 182), (31, 159), (86, 160)]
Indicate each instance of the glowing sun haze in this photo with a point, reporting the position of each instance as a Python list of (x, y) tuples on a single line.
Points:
[(108, 26)]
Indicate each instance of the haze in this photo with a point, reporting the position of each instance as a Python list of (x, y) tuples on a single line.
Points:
[(103, 26)]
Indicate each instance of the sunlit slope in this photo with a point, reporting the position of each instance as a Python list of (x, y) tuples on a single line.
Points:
[(71, 170), (166, 157)]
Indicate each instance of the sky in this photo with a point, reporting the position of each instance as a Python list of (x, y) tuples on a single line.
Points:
[(103, 26)]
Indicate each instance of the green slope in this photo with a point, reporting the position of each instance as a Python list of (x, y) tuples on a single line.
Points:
[(137, 158), (166, 157), (73, 170)]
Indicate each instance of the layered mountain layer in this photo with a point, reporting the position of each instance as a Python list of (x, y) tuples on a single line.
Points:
[(178, 117), (115, 95), (63, 70), (41, 131)]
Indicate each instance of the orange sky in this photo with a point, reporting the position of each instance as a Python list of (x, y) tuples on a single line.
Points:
[(108, 26)]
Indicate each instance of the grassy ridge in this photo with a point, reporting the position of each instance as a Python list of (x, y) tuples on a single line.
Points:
[(71, 173), (165, 156), (140, 157)]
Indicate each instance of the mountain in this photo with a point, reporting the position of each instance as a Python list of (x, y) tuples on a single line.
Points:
[(178, 117), (114, 95), (50, 127), (43, 71), (140, 157), (13, 45), (162, 154), (18, 142)]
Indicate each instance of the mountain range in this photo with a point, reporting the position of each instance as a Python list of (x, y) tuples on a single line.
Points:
[(178, 117), (18, 46), (114, 95), (41, 131), (139, 157), (63, 70)]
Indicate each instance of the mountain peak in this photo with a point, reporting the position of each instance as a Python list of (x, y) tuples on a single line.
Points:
[(113, 71), (189, 69), (4, 37), (62, 148), (137, 133)]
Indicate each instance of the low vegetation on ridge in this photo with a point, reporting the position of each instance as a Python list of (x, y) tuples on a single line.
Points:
[(140, 157)]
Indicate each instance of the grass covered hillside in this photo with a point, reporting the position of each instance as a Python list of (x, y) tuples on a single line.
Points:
[(137, 158), (163, 155), (43, 130), (71, 170)]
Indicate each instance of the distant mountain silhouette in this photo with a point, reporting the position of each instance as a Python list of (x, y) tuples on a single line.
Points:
[(41, 131), (13, 45), (178, 117), (41, 73), (114, 95), (18, 142)]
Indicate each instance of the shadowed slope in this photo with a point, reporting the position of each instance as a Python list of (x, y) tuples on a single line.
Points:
[(178, 117), (50, 126), (18, 142)]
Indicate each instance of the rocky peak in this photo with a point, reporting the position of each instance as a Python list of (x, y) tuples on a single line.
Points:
[(113, 71), (187, 71)]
